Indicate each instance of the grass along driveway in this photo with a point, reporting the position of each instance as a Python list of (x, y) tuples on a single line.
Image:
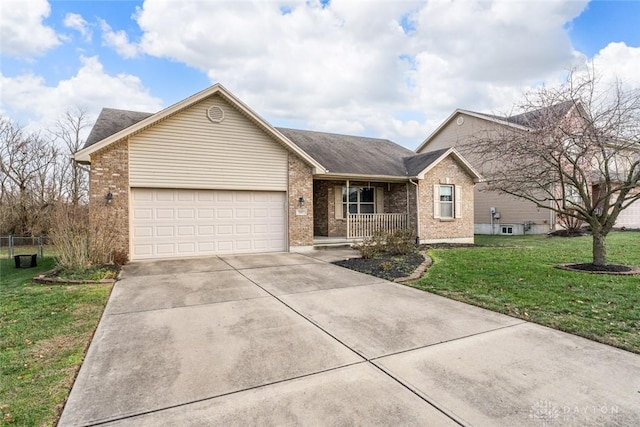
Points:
[(44, 333), (515, 275)]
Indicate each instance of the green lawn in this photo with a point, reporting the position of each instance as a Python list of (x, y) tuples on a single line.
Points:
[(515, 275), (44, 332)]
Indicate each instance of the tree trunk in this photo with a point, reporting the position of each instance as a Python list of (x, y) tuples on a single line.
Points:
[(599, 248)]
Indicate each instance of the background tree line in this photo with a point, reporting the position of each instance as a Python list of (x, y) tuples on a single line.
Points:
[(37, 173)]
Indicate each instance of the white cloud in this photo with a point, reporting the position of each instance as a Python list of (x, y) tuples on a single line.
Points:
[(119, 40), (78, 23), (355, 65), (617, 61), (22, 32), (28, 98)]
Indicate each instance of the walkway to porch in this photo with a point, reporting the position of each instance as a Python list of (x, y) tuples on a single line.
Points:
[(327, 242)]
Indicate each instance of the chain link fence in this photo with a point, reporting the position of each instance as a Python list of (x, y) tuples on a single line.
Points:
[(25, 245)]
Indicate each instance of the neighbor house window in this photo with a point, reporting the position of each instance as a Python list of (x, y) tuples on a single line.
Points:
[(361, 200), (506, 229), (571, 196), (446, 201)]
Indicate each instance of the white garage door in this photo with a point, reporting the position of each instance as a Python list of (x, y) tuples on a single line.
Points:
[(630, 217), (183, 223)]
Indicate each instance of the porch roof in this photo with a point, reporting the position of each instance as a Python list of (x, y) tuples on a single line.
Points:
[(352, 155)]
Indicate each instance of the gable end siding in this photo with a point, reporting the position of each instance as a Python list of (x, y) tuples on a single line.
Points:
[(189, 151)]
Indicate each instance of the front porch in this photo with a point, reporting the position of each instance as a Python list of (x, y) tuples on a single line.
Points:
[(349, 211), (362, 226)]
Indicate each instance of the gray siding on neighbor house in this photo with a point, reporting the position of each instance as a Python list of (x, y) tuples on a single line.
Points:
[(187, 150), (513, 211)]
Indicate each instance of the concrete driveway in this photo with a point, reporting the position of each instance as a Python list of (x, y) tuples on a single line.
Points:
[(288, 339)]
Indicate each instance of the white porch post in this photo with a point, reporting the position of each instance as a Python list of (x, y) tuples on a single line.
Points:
[(347, 214)]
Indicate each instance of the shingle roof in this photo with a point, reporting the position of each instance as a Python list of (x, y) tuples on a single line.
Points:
[(339, 154), (111, 121), (532, 119), (418, 162), (351, 154), (537, 118)]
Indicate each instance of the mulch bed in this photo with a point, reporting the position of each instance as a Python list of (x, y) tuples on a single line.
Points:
[(386, 265), (600, 269)]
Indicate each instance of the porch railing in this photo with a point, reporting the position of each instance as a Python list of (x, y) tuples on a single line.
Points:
[(365, 225)]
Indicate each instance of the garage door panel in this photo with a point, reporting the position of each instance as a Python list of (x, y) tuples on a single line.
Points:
[(205, 213), (164, 196), (164, 213), (224, 213), (176, 223), (205, 230), (163, 231)]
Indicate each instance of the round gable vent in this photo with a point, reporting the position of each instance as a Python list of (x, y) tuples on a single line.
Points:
[(215, 114), (460, 121)]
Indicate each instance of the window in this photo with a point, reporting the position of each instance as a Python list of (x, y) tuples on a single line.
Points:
[(447, 201), (361, 200), (571, 196), (506, 229)]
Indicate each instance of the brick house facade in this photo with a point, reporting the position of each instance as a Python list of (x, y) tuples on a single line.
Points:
[(209, 176), (110, 175)]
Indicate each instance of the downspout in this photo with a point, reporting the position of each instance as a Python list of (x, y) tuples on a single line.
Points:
[(417, 211)]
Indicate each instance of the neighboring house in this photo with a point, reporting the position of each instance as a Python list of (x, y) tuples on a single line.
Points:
[(208, 176), (497, 213)]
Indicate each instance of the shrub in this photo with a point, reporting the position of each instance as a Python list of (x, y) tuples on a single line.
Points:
[(119, 257), (81, 243), (372, 246), (571, 224), (70, 236), (401, 242)]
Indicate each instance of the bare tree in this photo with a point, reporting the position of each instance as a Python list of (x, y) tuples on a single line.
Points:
[(27, 161), (575, 150), (68, 131)]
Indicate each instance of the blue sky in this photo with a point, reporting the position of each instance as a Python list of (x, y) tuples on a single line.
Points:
[(384, 69)]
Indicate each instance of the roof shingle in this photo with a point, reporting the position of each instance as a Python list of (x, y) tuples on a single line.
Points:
[(111, 121), (339, 154)]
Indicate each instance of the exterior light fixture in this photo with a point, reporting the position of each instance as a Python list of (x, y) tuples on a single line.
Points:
[(301, 201), (109, 198)]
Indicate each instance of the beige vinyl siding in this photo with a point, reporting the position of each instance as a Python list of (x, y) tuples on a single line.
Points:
[(189, 151), (454, 135), (512, 210), (630, 217)]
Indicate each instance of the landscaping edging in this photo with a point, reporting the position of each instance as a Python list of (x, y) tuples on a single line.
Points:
[(418, 272), (44, 280)]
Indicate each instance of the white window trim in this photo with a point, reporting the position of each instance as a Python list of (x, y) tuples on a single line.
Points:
[(456, 202), (378, 200), (358, 202)]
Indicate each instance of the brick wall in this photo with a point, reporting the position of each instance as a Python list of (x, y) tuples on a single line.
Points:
[(110, 174), (300, 185), (448, 171), (320, 208)]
